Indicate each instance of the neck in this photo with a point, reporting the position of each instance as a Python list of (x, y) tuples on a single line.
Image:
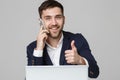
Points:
[(54, 41)]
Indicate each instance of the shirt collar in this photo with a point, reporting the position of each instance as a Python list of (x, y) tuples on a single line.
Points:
[(59, 43)]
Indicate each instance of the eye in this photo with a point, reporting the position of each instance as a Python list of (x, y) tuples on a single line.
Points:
[(59, 17), (47, 18)]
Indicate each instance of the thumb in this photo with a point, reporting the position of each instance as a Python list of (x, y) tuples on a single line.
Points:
[(73, 45)]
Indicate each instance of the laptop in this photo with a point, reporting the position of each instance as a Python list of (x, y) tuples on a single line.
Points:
[(76, 72)]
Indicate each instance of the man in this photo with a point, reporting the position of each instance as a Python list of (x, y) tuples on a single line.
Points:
[(57, 47)]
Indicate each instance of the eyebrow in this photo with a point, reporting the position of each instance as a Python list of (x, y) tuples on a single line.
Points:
[(51, 16)]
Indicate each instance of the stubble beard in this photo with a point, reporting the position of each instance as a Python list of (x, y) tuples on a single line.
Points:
[(57, 34)]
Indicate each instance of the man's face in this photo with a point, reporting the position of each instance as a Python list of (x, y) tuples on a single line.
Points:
[(53, 19)]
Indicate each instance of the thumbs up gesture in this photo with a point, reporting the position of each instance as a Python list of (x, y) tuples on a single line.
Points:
[(72, 56)]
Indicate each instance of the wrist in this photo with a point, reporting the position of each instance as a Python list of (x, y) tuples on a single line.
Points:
[(38, 53), (38, 48), (40, 45)]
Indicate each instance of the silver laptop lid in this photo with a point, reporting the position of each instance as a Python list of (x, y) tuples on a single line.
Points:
[(77, 72)]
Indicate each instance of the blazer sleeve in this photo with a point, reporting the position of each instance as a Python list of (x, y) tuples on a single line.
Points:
[(84, 50), (31, 60)]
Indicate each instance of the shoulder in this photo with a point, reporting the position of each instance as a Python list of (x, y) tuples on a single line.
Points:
[(73, 35), (32, 45), (80, 40)]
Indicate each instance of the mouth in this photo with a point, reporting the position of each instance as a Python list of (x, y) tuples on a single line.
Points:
[(54, 29)]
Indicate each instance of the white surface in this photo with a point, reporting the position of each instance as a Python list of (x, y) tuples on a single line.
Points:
[(57, 72)]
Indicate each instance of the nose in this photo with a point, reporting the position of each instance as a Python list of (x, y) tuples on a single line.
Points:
[(54, 21)]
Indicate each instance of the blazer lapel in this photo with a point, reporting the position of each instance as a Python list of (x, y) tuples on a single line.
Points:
[(65, 46), (46, 58)]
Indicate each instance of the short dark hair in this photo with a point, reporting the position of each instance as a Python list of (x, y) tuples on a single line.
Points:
[(50, 4)]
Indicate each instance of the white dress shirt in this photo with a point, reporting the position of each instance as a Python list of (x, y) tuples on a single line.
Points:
[(54, 52)]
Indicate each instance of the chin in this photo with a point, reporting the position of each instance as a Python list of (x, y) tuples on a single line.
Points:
[(55, 36)]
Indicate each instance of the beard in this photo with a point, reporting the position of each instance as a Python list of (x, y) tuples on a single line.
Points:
[(55, 31)]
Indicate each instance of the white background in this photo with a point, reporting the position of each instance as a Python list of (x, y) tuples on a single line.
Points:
[(97, 20)]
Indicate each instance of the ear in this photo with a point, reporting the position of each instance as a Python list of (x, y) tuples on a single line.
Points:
[(63, 19)]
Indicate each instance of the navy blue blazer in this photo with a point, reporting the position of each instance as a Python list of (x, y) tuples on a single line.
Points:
[(82, 48)]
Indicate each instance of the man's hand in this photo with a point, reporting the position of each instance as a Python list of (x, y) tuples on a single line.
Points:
[(41, 38), (72, 55)]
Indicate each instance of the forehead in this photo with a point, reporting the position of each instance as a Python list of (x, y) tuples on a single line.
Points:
[(52, 12)]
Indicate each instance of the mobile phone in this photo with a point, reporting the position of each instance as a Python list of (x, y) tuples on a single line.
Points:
[(42, 24)]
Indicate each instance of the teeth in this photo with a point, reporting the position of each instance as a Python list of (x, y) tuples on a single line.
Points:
[(54, 28)]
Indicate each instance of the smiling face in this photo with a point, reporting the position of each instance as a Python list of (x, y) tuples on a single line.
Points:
[(54, 21)]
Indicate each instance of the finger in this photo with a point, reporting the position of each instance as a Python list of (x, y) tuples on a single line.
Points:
[(69, 55), (73, 44), (68, 51), (42, 28), (44, 35), (44, 31), (69, 60)]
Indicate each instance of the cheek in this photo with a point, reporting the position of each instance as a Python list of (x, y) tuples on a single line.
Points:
[(62, 23), (47, 25)]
